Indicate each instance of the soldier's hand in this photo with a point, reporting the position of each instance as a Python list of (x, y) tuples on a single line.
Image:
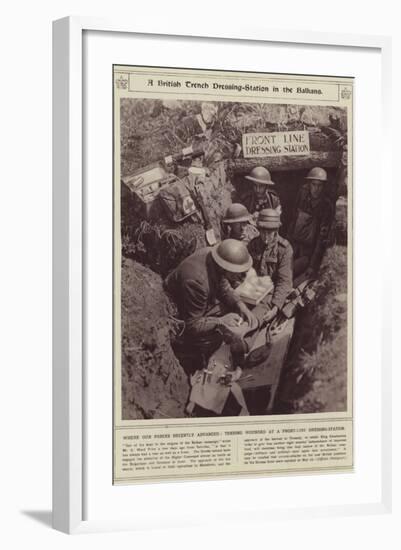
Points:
[(247, 314), (231, 320), (270, 314)]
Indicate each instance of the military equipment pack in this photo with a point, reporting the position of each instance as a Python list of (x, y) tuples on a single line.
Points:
[(156, 181)]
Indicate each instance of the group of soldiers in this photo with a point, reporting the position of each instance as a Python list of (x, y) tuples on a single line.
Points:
[(311, 222), (203, 285)]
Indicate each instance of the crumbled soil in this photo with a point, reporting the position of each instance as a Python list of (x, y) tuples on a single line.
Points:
[(315, 376), (154, 384)]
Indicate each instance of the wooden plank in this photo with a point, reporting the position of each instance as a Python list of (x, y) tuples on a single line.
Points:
[(325, 159)]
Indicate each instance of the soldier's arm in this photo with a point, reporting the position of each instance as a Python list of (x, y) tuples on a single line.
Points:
[(322, 238), (254, 251), (195, 302), (234, 303), (284, 281), (273, 201), (247, 199), (298, 202), (227, 295)]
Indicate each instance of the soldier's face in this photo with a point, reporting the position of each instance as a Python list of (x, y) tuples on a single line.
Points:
[(267, 235), (260, 190), (235, 279), (316, 188), (238, 230)]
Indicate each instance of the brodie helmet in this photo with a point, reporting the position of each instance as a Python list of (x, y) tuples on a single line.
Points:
[(237, 212), (260, 174), (269, 219), (317, 173), (232, 255)]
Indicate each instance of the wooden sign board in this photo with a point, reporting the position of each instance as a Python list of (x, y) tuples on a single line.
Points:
[(272, 144)]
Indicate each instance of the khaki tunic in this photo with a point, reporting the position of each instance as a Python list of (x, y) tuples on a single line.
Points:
[(196, 287), (278, 266), (310, 229)]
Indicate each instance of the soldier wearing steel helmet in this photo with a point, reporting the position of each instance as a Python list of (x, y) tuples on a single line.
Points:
[(262, 193), (272, 255), (238, 223), (203, 288), (310, 228)]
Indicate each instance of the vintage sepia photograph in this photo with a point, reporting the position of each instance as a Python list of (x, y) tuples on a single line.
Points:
[(234, 221)]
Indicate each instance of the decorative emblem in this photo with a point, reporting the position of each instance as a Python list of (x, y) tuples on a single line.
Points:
[(346, 93), (122, 82)]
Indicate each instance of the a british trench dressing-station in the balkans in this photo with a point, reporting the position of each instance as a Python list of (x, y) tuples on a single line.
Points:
[(238, 242)]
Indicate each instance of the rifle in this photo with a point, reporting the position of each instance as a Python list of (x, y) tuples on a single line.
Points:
[(302, 295), (186, 153), (209, 231)]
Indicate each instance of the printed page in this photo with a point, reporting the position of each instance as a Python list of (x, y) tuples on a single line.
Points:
[(232, 274)]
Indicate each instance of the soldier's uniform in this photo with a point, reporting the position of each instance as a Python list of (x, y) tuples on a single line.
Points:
[(197, 287), (310, 230), (254, 204), (203, 294), (269, 199), (238, 224), (275, 262)]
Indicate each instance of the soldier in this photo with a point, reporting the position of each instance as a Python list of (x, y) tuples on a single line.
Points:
[(203, 288), (236, 223), (272, 256), (262, 194), (311, 225)]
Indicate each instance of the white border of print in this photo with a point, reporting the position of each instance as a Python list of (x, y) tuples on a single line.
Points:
[(70, 257)]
